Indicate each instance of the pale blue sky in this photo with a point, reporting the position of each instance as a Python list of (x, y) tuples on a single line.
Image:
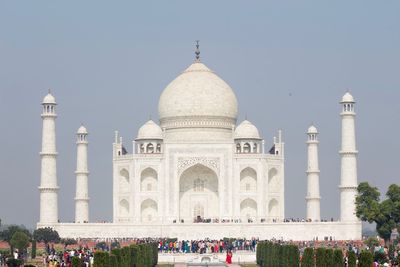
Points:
[(107, 62)]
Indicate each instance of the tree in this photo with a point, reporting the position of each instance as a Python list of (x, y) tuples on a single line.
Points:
[(33, 254), (68, 241), (20, 240), (46, 235), (366, 259), (8, 233), (352, 258), (337, 258), (320, 257), (386, 214), (308, 258)]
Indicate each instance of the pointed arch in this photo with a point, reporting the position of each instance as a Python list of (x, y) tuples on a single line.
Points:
[(248, 180), (124, 180), (124, 208), (248, 209), (273, 180), (273, 209), (149, 180), (149, 210)]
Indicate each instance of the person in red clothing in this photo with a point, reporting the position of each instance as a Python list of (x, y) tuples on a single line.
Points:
[(229, 257)]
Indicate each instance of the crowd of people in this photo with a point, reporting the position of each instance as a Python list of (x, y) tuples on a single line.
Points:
[(64, 258), (206, 246)]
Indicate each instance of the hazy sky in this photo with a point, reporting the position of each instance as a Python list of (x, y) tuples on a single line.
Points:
[(289, 63)]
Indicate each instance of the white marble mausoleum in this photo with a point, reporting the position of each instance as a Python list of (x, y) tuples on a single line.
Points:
[(199, 172)]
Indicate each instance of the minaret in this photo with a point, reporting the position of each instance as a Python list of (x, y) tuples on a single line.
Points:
[(313, 197), (82, 173), (48, 182), (348, 153)]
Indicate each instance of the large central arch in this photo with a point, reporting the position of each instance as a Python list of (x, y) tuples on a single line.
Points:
[(198, 193)]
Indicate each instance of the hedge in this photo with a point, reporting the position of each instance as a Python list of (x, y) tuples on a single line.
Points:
[(113, 261), (329, 257), (76, 262), (352, 258), (337, 258), (320, 257), (101, 259), (308, 258), (33, 253), (366, 259), (142, 255), (269, 254)]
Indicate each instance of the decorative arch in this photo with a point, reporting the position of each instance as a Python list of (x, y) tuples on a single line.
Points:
[(124, 180), (124, 208), (246, 148), (248, 209), (198, 193), (149, 210), (150, 148), (273, 181), (148, 180), (273, 209), (248, 180)]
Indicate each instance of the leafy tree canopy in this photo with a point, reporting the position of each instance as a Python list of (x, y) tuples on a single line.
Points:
[(46, 235), (20, 240), (8, 233), (386, 213)]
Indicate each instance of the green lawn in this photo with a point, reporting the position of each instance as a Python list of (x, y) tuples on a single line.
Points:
[(165, 265)]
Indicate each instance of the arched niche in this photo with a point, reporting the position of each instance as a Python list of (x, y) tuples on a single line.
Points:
[(149, 210), (123, 180), (273, 181), (248, 209), (273, 209), (248, 180), (148, 180), (124, 208), (198, 187)]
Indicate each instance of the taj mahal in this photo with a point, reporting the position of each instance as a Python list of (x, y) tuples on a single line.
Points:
[(200, 173)]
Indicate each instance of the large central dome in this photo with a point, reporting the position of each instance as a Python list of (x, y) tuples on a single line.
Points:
[(197, 93)]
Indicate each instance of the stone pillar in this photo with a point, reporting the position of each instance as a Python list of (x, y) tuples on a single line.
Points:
[(313, 195), (82, 173), (48, 182), (348, 153)]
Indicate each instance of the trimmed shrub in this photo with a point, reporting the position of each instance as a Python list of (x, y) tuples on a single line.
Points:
[(329, 257), (366, 259), (76, 262), (29, 265), (113, 261), (117, 253), (337, 258), (294, 256), (101, 259), (308, 258), (126, 257), (352, 258), (320, 257), (14, 263), (33, 253)]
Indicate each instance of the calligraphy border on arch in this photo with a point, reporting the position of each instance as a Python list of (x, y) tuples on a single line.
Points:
[(185, 163)]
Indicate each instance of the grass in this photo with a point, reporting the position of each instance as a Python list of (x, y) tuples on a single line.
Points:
[(165, 265), (249, 265)]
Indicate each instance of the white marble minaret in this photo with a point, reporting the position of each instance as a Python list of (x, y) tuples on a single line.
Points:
[(82, 173), (348, 153), (313, 196), (48, 181)]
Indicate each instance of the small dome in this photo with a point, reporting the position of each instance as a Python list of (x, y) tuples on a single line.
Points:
[(82, 130), (150, 130), (198, 92), (347, 98), (312, 130), (247, 130), (49, 99)]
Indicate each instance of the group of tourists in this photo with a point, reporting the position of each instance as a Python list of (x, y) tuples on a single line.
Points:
[(205, 246), (64, 259)]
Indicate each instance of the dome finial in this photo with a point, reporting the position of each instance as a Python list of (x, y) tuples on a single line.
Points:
[(197, 52)]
